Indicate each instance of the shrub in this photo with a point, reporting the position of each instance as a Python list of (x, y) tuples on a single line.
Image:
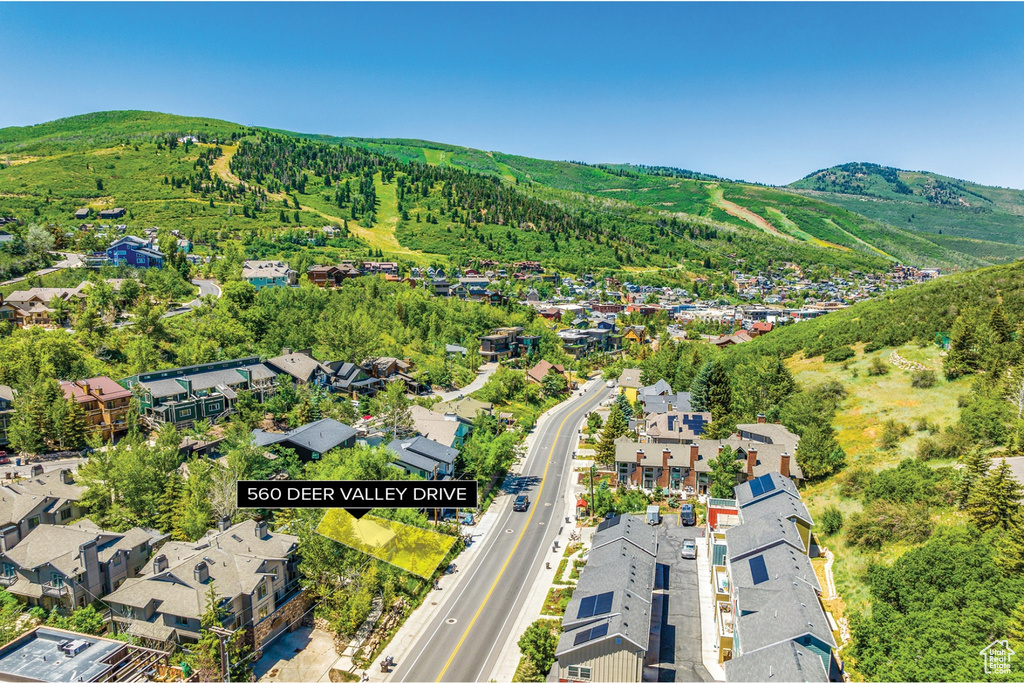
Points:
[(883, 522), (892, 432), (855, 481), (839, 354), (928, 449), (878, 367), (923, 424), (923, 379), (873, 346), (831, 520)]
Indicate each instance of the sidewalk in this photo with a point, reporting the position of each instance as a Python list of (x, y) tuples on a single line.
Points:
[(708, 642)]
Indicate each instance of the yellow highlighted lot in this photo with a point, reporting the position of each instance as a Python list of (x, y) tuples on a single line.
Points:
[(417, 551)]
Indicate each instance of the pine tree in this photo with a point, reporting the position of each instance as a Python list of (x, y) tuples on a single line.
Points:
[(699, 389), (622, 403), (206, 653), (615, 427), (962, 357), (1010, 546), (975, 465), (995, 498), (167, 506), (725, 468), (1001, 330), (711, 390)]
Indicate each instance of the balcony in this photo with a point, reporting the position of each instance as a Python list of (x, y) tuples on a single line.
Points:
[(720, 580), (54, 590), (8, 580), (723, 618)]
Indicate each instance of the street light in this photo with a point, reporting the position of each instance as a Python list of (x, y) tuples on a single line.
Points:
[(593, 502)]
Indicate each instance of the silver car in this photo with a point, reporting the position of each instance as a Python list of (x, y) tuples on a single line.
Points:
[(689, 549)]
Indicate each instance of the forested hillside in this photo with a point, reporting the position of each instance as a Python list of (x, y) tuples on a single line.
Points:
[(978, 220)]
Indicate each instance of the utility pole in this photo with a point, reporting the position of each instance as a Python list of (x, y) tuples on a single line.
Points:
[(593, 501), (225, 656)]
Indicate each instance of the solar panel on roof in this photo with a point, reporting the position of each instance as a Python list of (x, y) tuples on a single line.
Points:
[(587, 606), (758, 571), (767, 483), (756, 489), (589, 634), (608, 523), (604, 604)]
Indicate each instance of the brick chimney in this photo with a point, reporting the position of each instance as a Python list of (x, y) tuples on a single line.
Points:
[(665, 455), (784, 465), (751, 460), (761, 419), (694, 455), (639, 455)]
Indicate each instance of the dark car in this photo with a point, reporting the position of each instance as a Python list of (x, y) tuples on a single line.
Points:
[(686, 515), (521, 503)]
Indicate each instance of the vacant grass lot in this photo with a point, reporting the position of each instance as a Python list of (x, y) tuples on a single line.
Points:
[(872, 400)]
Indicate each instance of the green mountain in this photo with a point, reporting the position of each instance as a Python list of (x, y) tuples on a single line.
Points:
[(228, 186), (982, 221)]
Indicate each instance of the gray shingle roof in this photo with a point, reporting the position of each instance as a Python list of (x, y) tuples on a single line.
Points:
[(163, 388), (761, 533), (788, 661), (424, 447), (298, 365), (630, 377), (782, 485), (660, 404), (792, 611), (319, 437), (782, 564), (783, 506)]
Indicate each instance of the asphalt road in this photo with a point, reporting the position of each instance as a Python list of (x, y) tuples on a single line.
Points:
[(463, 641)]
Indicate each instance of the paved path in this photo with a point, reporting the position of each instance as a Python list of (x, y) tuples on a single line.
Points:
[(69, 261), (460, 633), (206, 288), (486, 370), (679, 630)]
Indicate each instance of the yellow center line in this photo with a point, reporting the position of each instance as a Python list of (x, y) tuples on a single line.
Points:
[(533, 508)]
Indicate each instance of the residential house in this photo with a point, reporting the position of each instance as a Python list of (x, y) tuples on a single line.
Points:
[(507, 342), (630, 384), (677, 465), (82, 214), (740, 337), (324, 276), (673, 427), (113, 213), (772, 617), (41, 499), (310, 441), (262, 274), (104, 402), (350, 379), (8, 313), (182, 396), (423, 457), (301, 367), (6, 411), (252, 569), (607, 624), (71, 566), (135, 252), (465, 408), (391, 369), (6, 237), (636, 334), (447, 429), (538, 372), (46, 654)]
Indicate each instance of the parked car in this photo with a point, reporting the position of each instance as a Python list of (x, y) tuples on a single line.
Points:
[(689, 549), (5, 459), (610, 384), (686, 515), (521, 503)]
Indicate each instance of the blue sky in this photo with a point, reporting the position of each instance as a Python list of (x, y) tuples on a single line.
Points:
[(762, 92)]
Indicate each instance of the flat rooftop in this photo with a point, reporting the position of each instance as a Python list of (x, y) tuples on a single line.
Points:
[(37, 656)]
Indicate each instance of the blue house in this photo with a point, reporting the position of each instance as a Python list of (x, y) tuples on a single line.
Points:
[(135, 252)]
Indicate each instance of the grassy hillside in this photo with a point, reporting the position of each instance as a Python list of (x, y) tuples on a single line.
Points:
[(569, 215), (975, 220), (784, 215)]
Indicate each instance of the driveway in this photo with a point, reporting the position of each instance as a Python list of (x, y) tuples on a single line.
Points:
[(305, 655), (486, 370), (678, 630)]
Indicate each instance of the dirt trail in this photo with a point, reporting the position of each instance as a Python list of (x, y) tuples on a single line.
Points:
[(737, 211)]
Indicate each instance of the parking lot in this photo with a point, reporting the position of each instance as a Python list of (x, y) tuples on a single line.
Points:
[(677, 603)]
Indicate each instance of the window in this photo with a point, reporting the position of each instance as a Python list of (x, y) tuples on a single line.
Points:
[(263, 612), (117, 560), (181, 621), (8, 569), (579, 673), (261, 592), (274, 572), (33, 522), (187, 412)]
